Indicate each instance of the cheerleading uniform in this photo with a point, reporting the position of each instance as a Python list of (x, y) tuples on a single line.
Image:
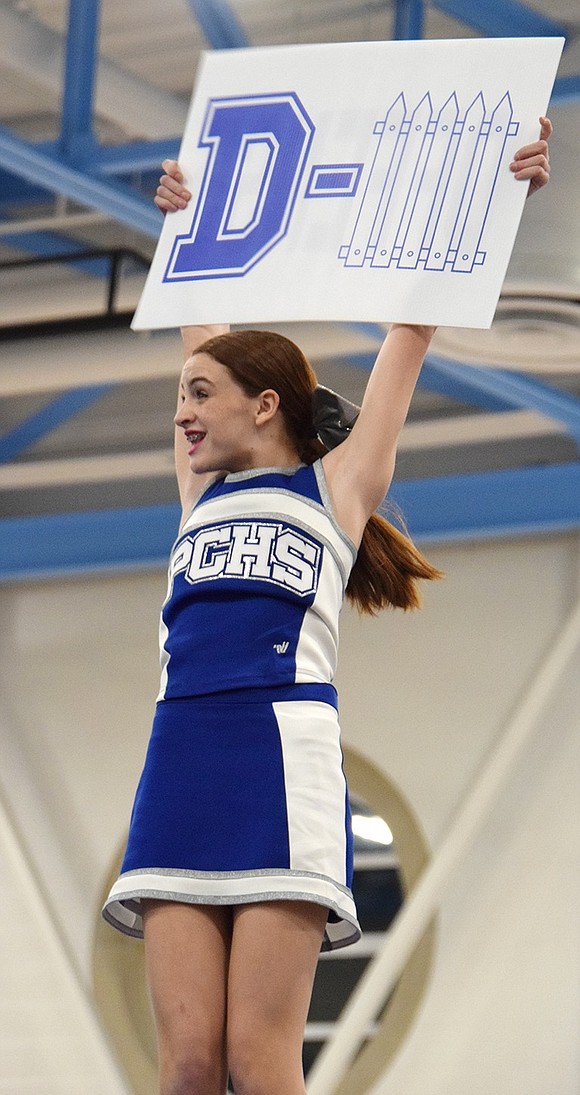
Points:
[(243, 796)]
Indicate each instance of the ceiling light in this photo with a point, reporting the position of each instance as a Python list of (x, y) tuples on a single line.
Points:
[(371, 828)]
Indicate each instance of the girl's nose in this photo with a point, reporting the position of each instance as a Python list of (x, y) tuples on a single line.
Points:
[(181, 417)]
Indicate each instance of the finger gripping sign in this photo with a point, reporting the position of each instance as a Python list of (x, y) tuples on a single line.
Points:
[(359, 181)]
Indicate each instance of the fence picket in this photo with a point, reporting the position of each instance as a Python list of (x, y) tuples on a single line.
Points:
[(430, 186), (378, 188), (401, 210), (492, 142)]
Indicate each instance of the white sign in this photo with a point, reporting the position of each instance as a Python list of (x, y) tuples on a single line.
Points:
[(364, 181)]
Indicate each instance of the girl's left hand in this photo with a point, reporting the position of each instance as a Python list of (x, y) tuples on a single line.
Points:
[(533, 161), (171, 194)]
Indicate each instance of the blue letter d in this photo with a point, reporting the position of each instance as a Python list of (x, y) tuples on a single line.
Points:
[(258, 148)]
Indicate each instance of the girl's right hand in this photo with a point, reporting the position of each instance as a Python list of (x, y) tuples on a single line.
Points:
[(171, 194)]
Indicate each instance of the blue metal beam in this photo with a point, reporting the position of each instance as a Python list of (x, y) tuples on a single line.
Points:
[(433, 381), (122, 159), (489, 389), (491, 505), (14, 191), (117, 201), (76, 136), (103, 160), (461, 389), (502, 18), (515, 390), (45, 244), (529, 501), (53, 414), (409, 19), (219, 23), (110, 540)]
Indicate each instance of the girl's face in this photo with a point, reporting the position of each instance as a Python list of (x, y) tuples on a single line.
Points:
[(217, 417)]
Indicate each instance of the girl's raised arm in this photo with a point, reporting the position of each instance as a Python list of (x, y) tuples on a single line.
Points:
[(171, 195), (360, 469)]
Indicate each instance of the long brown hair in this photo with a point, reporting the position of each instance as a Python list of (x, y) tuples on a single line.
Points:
[(388, 565)]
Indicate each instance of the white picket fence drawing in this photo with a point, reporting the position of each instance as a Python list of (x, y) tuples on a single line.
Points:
[(427, 196)]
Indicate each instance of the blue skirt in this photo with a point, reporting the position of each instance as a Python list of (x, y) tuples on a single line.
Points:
[(242, 799)]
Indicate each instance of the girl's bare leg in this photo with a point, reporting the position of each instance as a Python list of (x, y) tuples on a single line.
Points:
[(275, 948), (187, 953)]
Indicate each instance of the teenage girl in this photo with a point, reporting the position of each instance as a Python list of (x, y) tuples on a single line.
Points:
[(239, 860)]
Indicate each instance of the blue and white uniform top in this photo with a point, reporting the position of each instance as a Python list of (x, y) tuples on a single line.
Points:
[(256, 582)]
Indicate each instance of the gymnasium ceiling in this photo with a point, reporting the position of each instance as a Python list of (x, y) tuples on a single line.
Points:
[(491, 447)]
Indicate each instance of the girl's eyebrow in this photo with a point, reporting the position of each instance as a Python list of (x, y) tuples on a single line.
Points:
[(197, 379)]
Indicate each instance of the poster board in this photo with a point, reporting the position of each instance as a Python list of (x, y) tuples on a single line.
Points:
[(364, 181)]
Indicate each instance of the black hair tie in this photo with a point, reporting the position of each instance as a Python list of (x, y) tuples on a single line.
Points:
[(333, 416)]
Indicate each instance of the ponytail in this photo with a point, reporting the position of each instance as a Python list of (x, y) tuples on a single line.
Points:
[(387, 569), (388, 565)]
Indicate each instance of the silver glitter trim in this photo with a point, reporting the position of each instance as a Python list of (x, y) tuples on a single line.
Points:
[(328, 507), (251, 473), (219, 876), (131, 899)]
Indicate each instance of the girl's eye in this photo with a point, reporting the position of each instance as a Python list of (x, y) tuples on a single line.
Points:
[(199, 393)]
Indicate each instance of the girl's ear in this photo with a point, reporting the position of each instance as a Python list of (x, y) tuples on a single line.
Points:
[(268, 403)]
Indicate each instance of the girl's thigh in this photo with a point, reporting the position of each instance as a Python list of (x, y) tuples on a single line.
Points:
[(275, 949), (187, 951)]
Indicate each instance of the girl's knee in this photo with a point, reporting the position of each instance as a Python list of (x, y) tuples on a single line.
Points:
[(260, 1064), (192, 1075), (188, 1071)]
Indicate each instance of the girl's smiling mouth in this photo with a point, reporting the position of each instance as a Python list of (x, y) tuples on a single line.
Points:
[(195, 438)]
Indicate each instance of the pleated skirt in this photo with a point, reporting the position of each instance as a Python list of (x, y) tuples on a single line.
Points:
[(242, 799)]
